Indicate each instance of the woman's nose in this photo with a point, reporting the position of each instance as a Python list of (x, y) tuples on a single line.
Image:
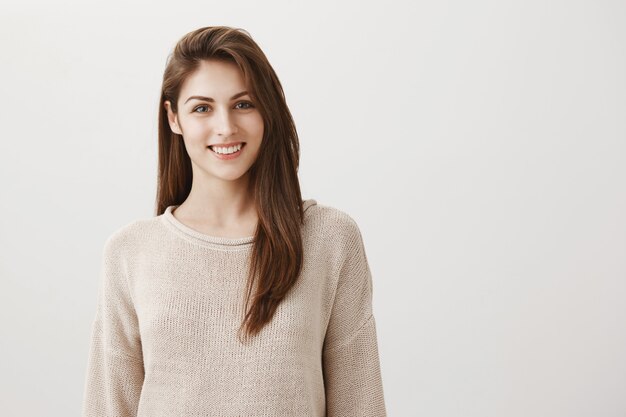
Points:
[(224, 123)]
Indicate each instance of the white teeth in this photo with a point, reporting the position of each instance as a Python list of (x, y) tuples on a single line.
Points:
[(228, 150)]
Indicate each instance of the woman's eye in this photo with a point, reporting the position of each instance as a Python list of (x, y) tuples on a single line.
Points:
[(249, 105), (199, 107)]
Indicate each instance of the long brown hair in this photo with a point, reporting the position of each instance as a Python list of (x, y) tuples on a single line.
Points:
[(276, 258)]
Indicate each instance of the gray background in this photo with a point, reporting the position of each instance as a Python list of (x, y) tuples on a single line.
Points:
[(479, 146)]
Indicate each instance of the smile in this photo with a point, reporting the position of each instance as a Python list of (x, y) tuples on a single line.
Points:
[(235, 152)]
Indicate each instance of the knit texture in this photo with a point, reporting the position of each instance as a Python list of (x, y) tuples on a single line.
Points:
[(170, 301)]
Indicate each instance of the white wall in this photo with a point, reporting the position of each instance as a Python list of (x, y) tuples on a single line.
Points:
[(479, 145)]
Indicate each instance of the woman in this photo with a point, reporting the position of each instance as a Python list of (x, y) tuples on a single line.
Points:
[(238, 298)]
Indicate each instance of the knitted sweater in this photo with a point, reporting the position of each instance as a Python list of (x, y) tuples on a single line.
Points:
[(170, 301)]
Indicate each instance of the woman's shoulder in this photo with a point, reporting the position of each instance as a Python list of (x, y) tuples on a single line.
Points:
[(336, 223), (131, 234)]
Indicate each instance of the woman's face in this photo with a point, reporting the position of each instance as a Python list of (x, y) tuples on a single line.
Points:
[(212, 111)]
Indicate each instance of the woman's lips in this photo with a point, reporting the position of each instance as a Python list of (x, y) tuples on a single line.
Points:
[(228, 156)]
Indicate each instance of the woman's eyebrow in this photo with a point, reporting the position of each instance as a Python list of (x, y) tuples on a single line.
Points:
[(243, 93)]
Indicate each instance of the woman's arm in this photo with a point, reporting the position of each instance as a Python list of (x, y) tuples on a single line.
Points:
[(115, 369), (351, 364)]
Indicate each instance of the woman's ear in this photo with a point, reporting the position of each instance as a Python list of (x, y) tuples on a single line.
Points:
[(172, 118)]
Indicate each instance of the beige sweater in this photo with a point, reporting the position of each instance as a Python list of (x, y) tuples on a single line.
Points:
[(164, 339)]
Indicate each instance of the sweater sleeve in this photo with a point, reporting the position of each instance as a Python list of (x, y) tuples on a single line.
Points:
[(351, 366), (115, 371)]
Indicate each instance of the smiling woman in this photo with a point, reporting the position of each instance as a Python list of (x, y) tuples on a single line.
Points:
[(239, 298)]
